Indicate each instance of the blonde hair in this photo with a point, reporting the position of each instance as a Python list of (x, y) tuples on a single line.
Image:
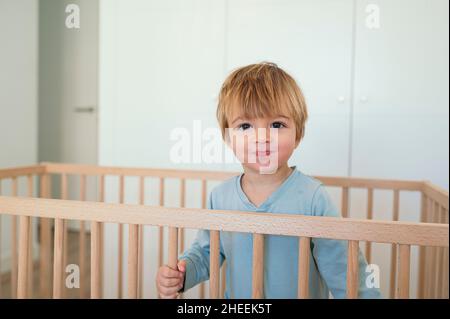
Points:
[(261, 90)]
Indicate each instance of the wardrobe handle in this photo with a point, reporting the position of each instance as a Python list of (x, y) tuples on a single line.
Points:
[(341, 99)]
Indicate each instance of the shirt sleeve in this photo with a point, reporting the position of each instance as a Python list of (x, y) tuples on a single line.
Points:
[(331, 255), (197, 257)]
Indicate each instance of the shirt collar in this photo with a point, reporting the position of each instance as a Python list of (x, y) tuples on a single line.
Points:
[(272, 197)]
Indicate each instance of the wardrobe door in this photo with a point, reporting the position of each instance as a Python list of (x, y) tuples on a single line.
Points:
[(401, 91), (400, 113), (312, 41)]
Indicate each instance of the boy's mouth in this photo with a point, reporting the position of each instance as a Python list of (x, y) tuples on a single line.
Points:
[(263, 153)]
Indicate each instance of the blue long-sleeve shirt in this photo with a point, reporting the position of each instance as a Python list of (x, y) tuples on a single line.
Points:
[(299, 194)]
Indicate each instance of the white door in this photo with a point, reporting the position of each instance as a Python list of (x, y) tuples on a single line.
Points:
[(80, 56), (69, 88)]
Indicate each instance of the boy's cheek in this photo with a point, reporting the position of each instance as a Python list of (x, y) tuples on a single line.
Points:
[(285, 150)]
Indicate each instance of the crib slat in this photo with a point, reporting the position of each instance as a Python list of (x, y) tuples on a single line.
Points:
[(133, 261), (223, 273), (14, 244), (258, 266), (181, 230), (120, 239), (421, 275), (58, 258), (435, 255), (395, 217), (345, 199), (369, 217), (182, 204), (141, 240), (352, 270), (30, 244), (30, 261), (161, 229), (303, 267), (95, 261), (45, 261), (1, 216), (428, 253), (82, 241), (431, 255), (440, 259), (404, 271), (173, 248), (445, 280), (24, 241), (141, 261), (203, 201), (214, 264), (445, 265), (66, 233), (101, 235)]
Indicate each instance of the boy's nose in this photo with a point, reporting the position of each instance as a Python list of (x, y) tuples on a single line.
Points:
[(262, 135)]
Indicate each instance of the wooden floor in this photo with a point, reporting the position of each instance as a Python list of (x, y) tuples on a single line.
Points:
[(73, 258)]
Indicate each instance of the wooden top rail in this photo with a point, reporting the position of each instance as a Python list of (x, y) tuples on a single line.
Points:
[(220, 175), (422, 234), (22, 171), (130, 171), (436, 193), (63, 168), (430, 190), (357, 182)]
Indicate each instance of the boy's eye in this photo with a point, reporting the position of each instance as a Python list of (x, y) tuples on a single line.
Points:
[(244, 126), (278, 125)]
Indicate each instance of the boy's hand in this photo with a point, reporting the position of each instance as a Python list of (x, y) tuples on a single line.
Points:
[(170, 281)]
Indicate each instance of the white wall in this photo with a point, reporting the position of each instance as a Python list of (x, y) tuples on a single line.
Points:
[(162, 64), (18, 94)]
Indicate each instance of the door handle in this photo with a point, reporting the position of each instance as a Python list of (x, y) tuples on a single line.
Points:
[(84, 109)]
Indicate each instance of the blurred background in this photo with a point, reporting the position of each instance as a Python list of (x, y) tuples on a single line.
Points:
[(107, 81)]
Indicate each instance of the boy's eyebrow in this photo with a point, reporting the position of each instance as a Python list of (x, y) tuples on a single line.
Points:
[(278, 116), (236, 119)]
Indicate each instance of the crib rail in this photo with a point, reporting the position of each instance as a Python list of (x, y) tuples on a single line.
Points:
[(431, 234), (259, 224)]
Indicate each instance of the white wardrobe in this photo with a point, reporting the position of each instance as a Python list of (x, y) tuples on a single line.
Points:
[(374, 73), (377, 91)]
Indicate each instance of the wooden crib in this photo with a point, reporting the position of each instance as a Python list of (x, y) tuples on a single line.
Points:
[(430, 234)]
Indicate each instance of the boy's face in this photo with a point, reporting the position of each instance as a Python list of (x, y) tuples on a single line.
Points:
[(262, 144)]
